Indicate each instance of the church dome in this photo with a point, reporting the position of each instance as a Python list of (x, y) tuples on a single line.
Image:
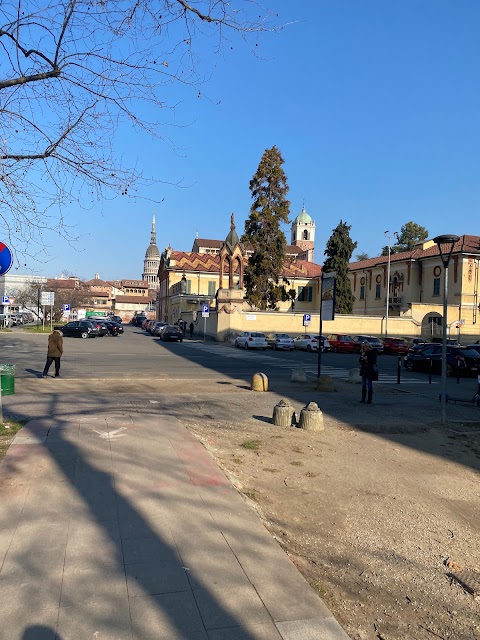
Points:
[(303, 218), (152, 252)]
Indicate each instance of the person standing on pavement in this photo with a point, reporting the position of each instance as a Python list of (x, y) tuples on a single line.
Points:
[(54, 353), (191, 328), (368, 370)]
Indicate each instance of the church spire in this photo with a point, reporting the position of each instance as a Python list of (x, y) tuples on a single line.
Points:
[(153, 238)]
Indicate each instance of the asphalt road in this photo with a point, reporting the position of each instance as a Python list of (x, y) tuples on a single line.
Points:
[(135, 354)]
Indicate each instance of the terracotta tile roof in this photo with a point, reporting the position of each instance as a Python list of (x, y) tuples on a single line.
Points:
[(209, 244), (301, 269), (466, 244), (218, 244), (206, 262), (60, 283), (96, 282), (100, 293)]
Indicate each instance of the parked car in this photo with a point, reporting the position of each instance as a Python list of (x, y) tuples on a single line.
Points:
[(281, 341), (79, 329), (158, 326), (113, 328), (149, 326), (395, 346), (116, 319), (144, 323), (340, 342), (99, 325), (460, 360), (251, 340), (374, 342), (310, 342), (438, 340), (171, 332), (138, 320)]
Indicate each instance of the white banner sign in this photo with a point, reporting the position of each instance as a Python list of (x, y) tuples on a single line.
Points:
[(48, 298)]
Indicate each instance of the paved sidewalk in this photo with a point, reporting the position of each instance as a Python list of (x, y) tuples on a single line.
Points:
[(122, 527)]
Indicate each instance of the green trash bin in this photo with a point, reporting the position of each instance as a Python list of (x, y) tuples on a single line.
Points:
[(7, 377)]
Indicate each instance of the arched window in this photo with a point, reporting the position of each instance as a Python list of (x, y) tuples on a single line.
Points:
[(305, 235)]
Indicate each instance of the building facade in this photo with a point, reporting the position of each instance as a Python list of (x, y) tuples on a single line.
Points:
[(151, 262), (415, 286)]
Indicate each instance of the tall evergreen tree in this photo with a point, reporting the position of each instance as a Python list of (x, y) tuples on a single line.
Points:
[(339, 251), (269, 209)]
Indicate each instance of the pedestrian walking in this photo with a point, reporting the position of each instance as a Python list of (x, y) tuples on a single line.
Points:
[(368, 371), (191, 328), (54, 353)]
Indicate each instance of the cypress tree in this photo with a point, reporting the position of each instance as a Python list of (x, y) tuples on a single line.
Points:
[(339, 250), (269, 209)]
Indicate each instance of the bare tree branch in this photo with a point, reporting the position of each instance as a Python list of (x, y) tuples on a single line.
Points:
[(71, 71)]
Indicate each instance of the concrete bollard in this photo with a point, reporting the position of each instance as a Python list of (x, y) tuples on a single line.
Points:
[(259, 382), (283, 414), (324, 383), (311, 418), (354, 376), (299, 375)]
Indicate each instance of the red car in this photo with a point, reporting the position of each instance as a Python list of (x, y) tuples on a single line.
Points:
[(341, 342), (395, 346)]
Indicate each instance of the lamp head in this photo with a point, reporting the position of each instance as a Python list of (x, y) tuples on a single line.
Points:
[(448, 240)]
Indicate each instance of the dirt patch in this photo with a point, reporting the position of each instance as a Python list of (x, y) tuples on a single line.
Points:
[(371, 519)]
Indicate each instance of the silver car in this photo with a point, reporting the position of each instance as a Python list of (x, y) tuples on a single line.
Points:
[(281, 341), (251, 340)]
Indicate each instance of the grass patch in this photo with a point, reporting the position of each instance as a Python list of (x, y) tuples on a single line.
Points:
[(253, 445), (10, 427), (320, 588), (297, 463), (39, 329), (297, 450), (271, 470), (310, 474), (237, 460), (6, 330), (252, 494)]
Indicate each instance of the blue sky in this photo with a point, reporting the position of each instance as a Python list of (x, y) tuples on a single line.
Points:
[(374, 105)]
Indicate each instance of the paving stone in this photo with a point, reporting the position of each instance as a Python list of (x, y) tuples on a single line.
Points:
[(93, 581), (155, 578), (250, 632), (108, 619), (314, 629), (37, 624), (149, 549), (220, 607), (162, 616)]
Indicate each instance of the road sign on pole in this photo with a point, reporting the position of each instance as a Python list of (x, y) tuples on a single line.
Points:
[(6, 258), (307, 318), (48, 298), (205, 311), (66, 307), (5, 299)]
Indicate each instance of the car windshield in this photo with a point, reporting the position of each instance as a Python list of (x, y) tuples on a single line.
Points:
[(257, 335), (282, 335)]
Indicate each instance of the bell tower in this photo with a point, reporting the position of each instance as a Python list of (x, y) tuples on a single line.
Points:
[(303, 235)]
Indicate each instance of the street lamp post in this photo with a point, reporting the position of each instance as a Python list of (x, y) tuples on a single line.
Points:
[(388, 236), (445, 246)]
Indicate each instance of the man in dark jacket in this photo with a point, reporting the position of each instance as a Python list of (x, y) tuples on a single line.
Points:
[(368, 370), (54, 353)]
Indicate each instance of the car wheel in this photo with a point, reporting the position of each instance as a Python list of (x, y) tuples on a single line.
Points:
[(181, 339), (309, 348), (408, 365), (84, 334), (245, 346)]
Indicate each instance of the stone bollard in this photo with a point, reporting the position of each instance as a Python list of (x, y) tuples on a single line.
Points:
[(311, 418), (324, 383), (299, 375), (354, 376), (259, 382), (283, 414)]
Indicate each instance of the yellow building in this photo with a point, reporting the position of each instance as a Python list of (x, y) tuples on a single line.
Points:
[(415, 289), (189, 279)]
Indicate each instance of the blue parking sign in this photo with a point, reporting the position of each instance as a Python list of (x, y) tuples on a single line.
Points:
[(66, 307), (307, 318), (205, 311)]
